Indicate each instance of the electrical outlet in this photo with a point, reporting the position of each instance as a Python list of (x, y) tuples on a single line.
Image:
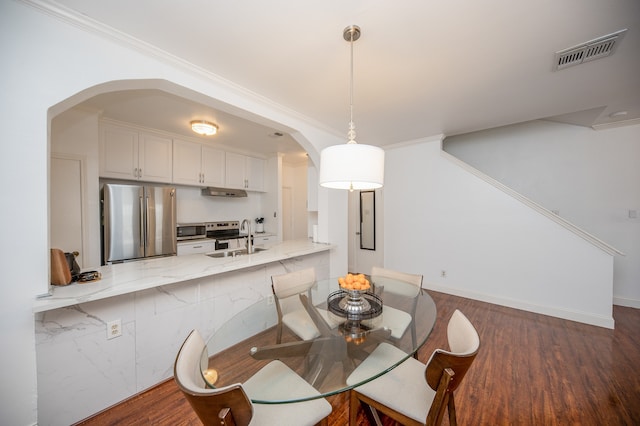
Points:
[(114, 329), (443, 274), (270, 299)]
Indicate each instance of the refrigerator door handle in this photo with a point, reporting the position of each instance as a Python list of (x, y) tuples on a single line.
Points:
[(147, 231), (142, 233)]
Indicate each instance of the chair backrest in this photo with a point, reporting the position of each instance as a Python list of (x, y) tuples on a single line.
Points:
[(464, 343), (291, 284), (378, 274), (209, 404)]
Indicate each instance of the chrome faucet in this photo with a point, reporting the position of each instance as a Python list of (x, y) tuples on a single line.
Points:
[(249, 239)]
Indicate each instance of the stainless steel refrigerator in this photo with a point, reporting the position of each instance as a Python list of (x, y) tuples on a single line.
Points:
[(139, 222)]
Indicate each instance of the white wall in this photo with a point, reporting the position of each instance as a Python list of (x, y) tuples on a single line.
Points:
[(47, 61), (194, 207), (491, 245), (591, 178)]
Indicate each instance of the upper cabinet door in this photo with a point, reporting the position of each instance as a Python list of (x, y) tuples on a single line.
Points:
[(235, 171), (118, 153), (198, 165), (213, 166), (254, 173), (187, 157), (244, 172), (155, 156), (132, 155)]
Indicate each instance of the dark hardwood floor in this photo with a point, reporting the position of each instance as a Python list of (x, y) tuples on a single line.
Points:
[(531, 370)]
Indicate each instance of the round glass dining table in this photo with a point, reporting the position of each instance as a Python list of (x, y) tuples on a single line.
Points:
[(397, 313)]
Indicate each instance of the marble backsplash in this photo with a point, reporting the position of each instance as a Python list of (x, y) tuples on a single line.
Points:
[(80, 372)]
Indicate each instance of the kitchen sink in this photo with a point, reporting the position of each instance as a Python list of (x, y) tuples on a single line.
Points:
[(234, 253)]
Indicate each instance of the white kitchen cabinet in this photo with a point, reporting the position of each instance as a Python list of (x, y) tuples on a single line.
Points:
[(254, 174), (264, 240), (128, 154), (196, 247), (197, 164), (213, 166), (155, 158), (243, 172)]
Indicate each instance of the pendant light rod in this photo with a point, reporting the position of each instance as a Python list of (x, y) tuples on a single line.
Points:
[(351, 34)]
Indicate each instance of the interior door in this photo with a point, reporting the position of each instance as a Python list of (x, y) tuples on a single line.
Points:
[(66, 218)]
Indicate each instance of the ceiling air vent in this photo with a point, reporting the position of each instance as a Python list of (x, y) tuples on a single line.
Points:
[(589, 51)]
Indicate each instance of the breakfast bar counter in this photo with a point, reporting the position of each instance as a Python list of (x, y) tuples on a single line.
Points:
[(130, 277)]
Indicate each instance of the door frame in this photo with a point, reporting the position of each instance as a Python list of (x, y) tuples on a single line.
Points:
[(361, 260)]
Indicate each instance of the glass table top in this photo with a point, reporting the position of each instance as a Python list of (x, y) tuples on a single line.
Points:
[(341, 337)]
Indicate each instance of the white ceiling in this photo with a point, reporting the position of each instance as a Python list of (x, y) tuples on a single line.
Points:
[(422, 67)]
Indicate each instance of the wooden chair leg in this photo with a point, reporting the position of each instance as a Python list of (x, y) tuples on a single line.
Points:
[(354, 404), (441, 399), (451, 406)]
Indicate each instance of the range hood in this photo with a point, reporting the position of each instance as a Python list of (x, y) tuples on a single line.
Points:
[(224, 192)]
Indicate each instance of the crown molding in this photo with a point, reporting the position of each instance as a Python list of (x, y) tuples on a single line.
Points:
[(93, 26), (623, 123)]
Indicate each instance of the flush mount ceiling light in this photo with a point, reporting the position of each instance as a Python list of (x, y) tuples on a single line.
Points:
[(204, 128), (352, 165)]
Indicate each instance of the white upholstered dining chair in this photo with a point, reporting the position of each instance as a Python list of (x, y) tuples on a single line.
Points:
[(414, 393), (286, 290), (394, 319), (231, 405)]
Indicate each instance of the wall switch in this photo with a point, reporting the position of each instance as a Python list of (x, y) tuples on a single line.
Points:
[(270, 299), (114, 329), (443, 274)]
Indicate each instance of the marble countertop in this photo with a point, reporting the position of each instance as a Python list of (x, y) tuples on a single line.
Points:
[(124, 278)]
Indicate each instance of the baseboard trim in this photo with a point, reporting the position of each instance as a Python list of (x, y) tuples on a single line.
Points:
[(629, 303), (582, 317)]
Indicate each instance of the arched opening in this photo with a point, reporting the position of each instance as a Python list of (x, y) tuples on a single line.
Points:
[(163, 109)]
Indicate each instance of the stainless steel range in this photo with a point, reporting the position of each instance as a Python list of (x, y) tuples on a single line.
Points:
[(226, 234)]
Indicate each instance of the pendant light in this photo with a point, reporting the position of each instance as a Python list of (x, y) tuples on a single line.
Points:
[(352, 165)]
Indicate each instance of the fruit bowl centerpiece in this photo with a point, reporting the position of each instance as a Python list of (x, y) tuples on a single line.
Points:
[(355, 286)]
